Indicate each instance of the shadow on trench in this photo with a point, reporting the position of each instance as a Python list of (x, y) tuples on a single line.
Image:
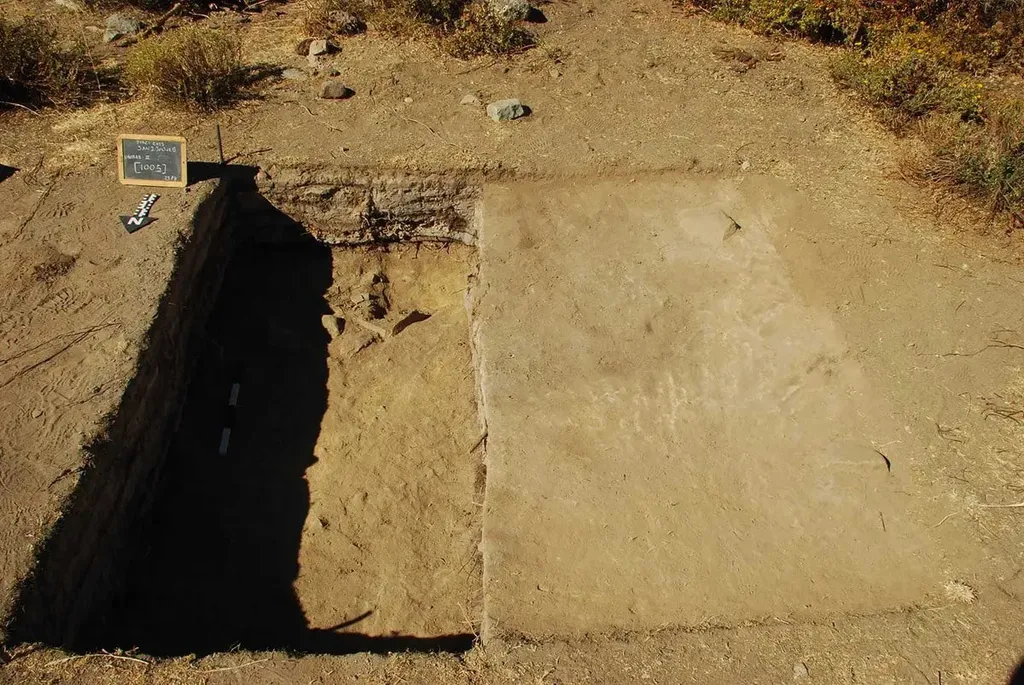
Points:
[(218, 559)]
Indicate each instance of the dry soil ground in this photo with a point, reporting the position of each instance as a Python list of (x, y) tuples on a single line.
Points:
[(708, 304)]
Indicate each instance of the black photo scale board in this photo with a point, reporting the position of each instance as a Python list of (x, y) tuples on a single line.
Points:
[(152, 161)]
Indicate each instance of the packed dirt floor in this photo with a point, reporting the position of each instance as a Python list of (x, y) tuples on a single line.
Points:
[(748, 400)]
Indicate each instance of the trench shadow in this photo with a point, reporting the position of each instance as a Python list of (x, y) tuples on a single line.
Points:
[(1017, 677), (220, 554), (6, 172), (204, 171)]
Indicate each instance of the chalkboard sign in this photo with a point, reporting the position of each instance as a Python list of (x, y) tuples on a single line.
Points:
[(152, 161)]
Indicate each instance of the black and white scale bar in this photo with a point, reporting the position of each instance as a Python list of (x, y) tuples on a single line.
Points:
[(229, 419)]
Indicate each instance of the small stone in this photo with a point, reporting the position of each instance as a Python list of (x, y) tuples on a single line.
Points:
[(470, 100), (351, 343), (314, 62), (69, 5), (800, 671), (745, 166), (302, 47), (332, 325), (120, 25), (408, 101), (333, 72), (506, 110), (36, 413), (510, 10), (318, 47), (335, 90), (381, 330), (555, 73), (293, 74)]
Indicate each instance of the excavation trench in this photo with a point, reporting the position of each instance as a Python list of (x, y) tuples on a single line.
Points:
[(321, 489)]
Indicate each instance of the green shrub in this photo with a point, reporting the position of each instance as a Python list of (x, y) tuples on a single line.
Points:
[(984, 159), (197, 67), (909, 82), (36, 69)]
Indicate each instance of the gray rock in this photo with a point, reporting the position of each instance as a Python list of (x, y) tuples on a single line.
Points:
[(335, 90), (120, 25), (470, 100), (351, 342), (332, 325), (380, 329), (510, 10), (313, 61), (293, 74), (345, 23), (69, 5), (318, 47), (506, 110)]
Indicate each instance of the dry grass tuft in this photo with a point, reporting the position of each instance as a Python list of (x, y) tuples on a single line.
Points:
[(984, 160), (196, 67), (961, 593), (928, 63), (461, 28), (333, 18), (480, 32), (36, 68), (908, 83)]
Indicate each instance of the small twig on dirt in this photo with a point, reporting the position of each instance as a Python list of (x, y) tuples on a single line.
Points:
[(152, 28), (888, 464), (947, 433), (53, 339), (79, 337), (27, 109), (235, 668), (883, 521), (478, 443), (475, 68), (1017, 505), (993, 344), (31, 215), (916, 668), (240, 155), (945, 518), (438, 135), (1005, 344), (310, 113), (103, 654), (1004, 412), (8, 655)]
